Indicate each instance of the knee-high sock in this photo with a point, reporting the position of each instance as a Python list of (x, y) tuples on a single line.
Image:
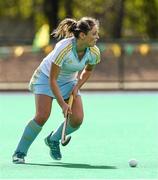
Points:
[(56, 135), (30, 133)]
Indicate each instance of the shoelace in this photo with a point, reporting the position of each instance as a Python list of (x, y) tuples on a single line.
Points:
[(55, 146)]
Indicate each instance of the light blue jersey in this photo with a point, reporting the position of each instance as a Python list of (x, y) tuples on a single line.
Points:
[(65, 56)]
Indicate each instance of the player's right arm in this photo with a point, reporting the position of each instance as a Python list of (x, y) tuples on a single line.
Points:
[(54, 72)]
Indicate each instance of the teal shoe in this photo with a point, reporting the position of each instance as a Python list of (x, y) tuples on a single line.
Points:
[(18, 158), (54, 148)]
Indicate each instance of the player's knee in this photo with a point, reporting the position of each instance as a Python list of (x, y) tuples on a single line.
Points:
[(76, 123), (41, 118)]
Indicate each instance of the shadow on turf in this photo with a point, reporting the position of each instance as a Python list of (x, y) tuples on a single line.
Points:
[(73, 165)]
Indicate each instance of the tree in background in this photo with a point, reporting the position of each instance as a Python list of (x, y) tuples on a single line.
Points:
[(51, 8), (151, 22), (118, 21), (17, 21), (141, 19), (68, 5), (110, 13), (136, 19)]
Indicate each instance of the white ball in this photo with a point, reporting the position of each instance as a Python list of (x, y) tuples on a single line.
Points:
[(133, 163)]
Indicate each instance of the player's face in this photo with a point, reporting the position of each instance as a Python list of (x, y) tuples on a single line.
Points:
[(92, 37)]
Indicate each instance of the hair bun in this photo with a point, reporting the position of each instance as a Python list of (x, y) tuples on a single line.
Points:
[(73, 27)]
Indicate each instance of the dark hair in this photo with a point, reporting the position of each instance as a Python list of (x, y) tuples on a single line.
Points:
[(70, 27)]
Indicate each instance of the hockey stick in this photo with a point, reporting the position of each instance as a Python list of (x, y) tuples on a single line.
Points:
[(65, 140)]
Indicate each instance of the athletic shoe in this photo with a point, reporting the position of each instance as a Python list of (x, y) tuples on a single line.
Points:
[(18, 158), (54, 148)]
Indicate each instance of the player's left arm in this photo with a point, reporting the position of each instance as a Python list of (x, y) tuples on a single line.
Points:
[(84, 76), (87, 71)]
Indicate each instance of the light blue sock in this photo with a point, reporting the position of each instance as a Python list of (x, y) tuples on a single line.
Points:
[(56, 135), (30, 133)]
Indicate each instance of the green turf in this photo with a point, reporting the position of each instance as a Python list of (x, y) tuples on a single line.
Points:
[(117, 127)]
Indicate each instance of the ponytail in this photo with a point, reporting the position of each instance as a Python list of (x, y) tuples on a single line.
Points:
[(65, 29)]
